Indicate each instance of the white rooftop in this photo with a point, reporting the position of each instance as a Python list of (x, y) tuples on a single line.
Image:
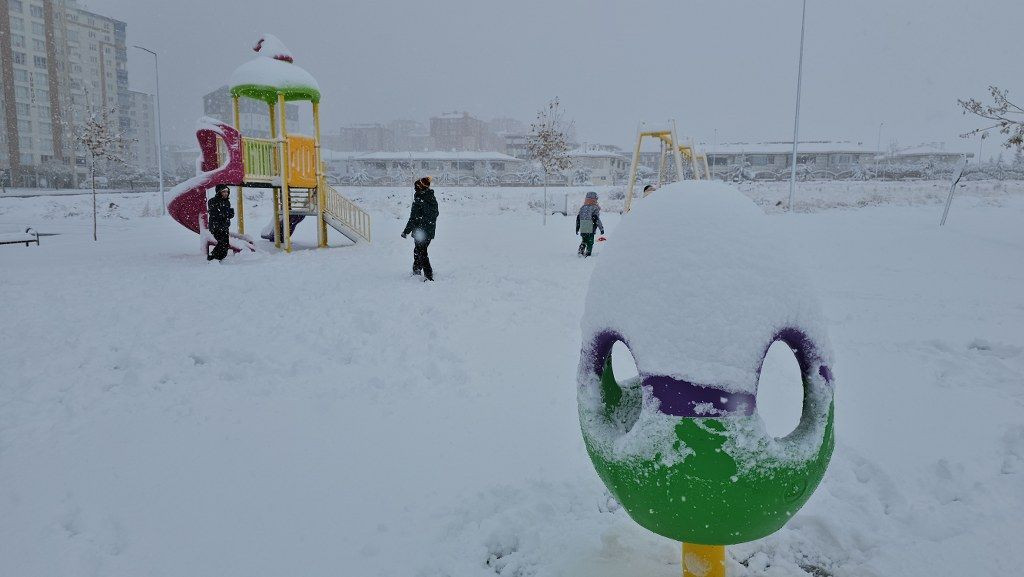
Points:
[(435, 155), (783, 147)]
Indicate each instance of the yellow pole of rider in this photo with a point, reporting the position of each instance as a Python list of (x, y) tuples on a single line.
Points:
[(703, 560), (321, 181), (277, 190), (238, 189), (286, 196)]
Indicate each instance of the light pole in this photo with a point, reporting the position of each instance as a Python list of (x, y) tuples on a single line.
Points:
[(715, 157), (159, 135), (796, 117), (878, 146)]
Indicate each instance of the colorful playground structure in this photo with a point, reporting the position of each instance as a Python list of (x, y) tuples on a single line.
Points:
[(289, 164), (669, 145), (682, 446)]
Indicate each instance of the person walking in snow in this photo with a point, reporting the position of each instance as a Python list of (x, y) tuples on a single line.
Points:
[(220, 217), (422, 225), (588, 220)]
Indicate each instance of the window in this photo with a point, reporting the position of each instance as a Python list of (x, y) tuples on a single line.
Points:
[(20, 75), (38, 45), (36, 11), (464, 165), (16, 6), (497, 166), (19, 57), (17, 24), (23, 109), (718, 160), (26, 158), (758, 159), (40, 61), (17, 41), (21, 92), (38, 29)]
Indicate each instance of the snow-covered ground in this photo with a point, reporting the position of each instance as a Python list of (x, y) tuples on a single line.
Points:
[(324, 413)]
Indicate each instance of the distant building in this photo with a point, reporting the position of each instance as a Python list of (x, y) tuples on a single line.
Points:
[(142, 131), (598, 165), (822, 159), (58, 63), (410, 135), (447, 168), (501, 126), (253, 114), (517, 144), (458, 131), (364, 137)]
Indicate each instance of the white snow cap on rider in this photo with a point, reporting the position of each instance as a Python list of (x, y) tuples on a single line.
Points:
[(697, 282)]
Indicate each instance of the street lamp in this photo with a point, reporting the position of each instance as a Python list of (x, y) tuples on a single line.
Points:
[(796, 116), (878, 145), (159, 135)]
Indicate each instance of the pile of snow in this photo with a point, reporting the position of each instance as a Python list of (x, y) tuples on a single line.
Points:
[(322, 413)]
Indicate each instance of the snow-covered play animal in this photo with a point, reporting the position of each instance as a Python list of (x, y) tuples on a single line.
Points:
[(697, 286)]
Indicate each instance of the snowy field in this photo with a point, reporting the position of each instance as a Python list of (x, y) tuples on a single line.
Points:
[(325, 414)]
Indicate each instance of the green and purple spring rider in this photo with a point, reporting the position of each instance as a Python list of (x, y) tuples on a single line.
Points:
[(698, 286)]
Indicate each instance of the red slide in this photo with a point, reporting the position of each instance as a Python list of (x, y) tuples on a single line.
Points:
[(188, 199)]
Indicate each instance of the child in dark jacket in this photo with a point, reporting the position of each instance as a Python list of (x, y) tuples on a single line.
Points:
[(588, 220), (422, 224), (220, 217)]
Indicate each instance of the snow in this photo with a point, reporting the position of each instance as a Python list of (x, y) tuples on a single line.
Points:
[(697, 283), (267, 70), (323, 413)]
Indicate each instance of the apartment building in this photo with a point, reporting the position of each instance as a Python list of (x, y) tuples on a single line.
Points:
[(142, 131), (254, 115), (59, 63)]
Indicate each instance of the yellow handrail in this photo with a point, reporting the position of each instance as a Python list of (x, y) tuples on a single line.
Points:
[(346, 211)]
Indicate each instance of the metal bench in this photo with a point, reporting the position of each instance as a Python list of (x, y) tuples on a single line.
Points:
[(28, 236)]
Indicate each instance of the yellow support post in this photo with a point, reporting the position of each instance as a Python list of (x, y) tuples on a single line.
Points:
[(286, 195), (632, 171), (238, 189), (277, 190), (321, 196), (703, 560)]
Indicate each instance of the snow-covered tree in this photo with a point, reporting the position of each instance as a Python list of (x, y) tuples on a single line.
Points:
[(549, 144), (490, 176), (1007, 117), (581, 175), (104, 143)]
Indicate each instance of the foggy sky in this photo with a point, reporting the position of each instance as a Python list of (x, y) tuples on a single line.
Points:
[(719, 65)]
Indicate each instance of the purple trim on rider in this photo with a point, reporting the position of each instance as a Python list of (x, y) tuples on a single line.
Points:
[(686, 399), (682, 398), (807, 354)]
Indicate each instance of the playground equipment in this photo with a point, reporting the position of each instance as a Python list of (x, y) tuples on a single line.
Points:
[(669, 144), (682, 445), (290, 164)]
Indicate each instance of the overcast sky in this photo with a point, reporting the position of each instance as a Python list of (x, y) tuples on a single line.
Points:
[(712, 65)]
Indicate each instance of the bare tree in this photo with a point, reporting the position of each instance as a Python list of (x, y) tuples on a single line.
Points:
[(104, 142), (1007, 117), (549, 144)]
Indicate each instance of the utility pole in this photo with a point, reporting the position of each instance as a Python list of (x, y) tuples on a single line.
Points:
[(796, 117), (159, 135)]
